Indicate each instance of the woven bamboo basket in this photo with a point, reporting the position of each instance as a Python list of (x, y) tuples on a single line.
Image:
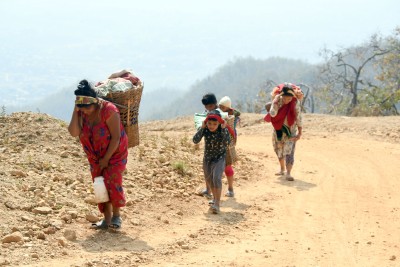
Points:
[(128, 103), (231, 121), (231, 151)]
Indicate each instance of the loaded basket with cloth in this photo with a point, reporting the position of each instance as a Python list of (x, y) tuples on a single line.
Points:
[(124, 90), (286, 111)]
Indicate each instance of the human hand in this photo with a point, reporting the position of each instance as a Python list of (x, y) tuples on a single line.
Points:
[(103, 163), (276, 99), (296, 138), (268, 106), (203, 125), (223, 125)]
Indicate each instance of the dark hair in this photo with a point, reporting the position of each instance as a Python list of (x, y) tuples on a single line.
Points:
[(85, 89), (214, 112), (209, 99), (287, 89)]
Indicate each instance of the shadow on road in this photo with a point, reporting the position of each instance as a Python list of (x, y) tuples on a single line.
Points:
[(102, 240), (298, 184)]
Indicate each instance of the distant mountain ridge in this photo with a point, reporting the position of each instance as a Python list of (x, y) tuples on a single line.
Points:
[(241, 79)]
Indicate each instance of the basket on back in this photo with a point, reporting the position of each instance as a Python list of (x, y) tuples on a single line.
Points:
[(231, 155), (128, 103)]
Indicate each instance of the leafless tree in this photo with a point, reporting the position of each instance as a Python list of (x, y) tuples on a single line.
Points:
[(342, 74)]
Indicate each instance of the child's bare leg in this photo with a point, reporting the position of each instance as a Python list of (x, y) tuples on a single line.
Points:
[(229, 176), (217, 195), (230, 182), (208, 188)]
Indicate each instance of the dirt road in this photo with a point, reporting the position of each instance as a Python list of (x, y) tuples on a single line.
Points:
[(343, 209)]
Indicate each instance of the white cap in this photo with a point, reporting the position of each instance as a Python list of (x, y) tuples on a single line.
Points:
[(225, 101)]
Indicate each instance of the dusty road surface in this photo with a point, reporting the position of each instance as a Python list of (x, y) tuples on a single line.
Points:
[(343, 209)]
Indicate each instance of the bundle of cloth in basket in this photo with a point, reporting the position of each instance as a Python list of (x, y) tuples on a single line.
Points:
[(120, 81)]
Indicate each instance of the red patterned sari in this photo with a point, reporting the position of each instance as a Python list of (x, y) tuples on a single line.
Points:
[(95, 140)]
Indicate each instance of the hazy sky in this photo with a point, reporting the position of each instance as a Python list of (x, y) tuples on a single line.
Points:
[(174, 42)]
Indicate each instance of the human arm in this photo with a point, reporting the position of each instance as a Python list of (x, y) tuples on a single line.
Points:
[(200, 133), (300, 131), (113, 124), (74, 128), (226, 137), (268, 106), (299, 122), (275, 106)]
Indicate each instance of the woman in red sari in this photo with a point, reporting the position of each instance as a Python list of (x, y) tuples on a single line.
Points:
[(285, 115), (103, 138)]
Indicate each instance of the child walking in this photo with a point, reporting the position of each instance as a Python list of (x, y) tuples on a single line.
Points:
[(225, 105), (216, 139), (209, 102)]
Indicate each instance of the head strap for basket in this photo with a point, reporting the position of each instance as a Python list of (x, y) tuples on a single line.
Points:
[(85, 100), (216, 117)]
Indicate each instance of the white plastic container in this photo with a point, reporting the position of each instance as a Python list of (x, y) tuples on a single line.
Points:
[(198, 119), (100, 190)]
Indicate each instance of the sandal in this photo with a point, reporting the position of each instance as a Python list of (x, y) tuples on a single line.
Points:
[(215, 209), (116, 222), (289, 177), (230, 193), (211, 202), (281, 173), (101, 225), (204, 193)]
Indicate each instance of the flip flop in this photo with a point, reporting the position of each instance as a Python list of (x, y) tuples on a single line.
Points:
[(230, 193), (101, 225), (211, 202), (215, 209), (116, 222), (204, 193)]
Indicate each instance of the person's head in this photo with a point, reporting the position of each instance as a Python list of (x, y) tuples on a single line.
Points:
[(86, 97), (213, 120), (225, 104), (209, 101), (287, 93)]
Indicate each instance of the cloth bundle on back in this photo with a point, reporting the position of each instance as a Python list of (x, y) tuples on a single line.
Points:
[(125, 98), (284, 112)]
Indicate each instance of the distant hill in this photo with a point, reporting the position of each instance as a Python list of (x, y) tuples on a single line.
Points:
[(60, 104), (241, 79)]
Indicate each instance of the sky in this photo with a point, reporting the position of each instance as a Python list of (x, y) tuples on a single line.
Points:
[(52, 44)]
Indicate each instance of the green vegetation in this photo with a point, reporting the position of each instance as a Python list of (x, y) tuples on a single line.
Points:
[(180, 167)]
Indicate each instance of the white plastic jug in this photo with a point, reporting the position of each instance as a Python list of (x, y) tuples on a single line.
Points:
[(100, 190)]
